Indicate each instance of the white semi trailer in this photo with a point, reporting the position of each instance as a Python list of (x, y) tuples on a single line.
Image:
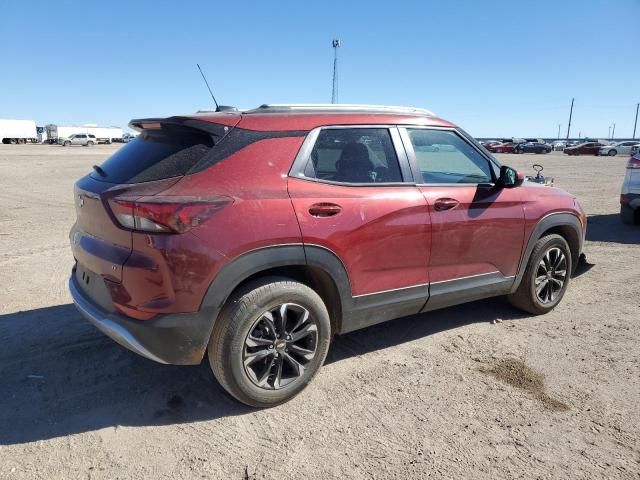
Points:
[(18, 131), (59, 133)]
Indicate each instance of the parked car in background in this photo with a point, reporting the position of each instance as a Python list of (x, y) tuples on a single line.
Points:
[(635, 149), (488, 143), (630, 194), (502, 147), (587, 148), (532, 147), (559, 145), (622, 148), (84, 139), (242, 236)]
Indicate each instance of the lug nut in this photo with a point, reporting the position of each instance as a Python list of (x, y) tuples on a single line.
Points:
[(270, 347)]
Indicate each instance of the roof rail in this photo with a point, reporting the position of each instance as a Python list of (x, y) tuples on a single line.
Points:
[(336, 107)]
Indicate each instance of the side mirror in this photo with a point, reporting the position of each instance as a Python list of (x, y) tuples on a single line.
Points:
[(509, 177)]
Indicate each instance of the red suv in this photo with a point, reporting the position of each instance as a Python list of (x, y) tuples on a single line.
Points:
[(256, 236)]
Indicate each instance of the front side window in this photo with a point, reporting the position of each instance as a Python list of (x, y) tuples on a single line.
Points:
[(354, 155), (443, 157)]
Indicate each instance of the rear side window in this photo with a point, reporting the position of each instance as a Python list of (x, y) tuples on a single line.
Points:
[(155, 155), (354, 155)]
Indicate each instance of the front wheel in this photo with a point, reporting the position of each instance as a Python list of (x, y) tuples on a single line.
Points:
[(546, 277), (612, 153), (269, 341)]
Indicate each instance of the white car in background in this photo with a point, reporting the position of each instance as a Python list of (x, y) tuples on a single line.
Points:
[(623, 148), (630, 194), (559, 145)]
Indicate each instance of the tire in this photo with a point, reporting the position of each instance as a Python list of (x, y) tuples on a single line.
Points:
[(271, 378), (612, 153), (89, 144), (13, 141), (540, 298), (66, 144), (628, 215)]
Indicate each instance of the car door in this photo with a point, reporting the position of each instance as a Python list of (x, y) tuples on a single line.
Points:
[(625, 148), (477, 228), (353, 195)]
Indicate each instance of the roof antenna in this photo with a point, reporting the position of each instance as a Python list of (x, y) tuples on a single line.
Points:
[(207, 83)]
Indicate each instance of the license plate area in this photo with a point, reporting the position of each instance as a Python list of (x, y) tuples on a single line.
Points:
[(93, 286)]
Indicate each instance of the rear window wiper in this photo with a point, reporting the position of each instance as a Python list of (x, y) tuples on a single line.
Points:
[(100, 171)]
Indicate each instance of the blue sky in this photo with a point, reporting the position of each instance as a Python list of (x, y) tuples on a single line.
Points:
[(495, 68)]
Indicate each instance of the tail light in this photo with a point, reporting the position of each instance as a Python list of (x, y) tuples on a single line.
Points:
[(165, 214), (634, 162)]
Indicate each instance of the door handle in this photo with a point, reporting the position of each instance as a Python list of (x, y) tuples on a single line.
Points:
[(443, 204), (324, 209)]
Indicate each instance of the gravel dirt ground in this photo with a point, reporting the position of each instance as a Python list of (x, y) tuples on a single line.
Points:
[(449, 394)]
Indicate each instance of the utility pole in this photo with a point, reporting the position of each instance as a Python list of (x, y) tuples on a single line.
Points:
[(558, 137), (334, 90), (613, 132), (609, 137), (570, 115), (635, 124)]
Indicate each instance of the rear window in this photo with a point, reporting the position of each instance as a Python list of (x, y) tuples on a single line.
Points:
[(155, 155)]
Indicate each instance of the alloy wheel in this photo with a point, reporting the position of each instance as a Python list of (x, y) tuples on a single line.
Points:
[(551, 275), (279, 346)]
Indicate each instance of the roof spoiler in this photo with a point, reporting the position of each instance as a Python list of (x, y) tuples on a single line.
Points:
[(211, 128)]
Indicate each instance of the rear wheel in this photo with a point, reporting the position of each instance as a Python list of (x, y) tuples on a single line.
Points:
[(66, 144), (612, 153), (89, 144), (628, 215), (13, 141), (546, 277), (269, 341)]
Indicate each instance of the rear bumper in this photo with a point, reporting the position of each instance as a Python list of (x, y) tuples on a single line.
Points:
[(178, 339)]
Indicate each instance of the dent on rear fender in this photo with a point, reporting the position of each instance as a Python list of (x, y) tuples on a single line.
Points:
[(169, 273)]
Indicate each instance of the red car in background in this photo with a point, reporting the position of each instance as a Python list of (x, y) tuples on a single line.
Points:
[(587, 148), (502, 147)]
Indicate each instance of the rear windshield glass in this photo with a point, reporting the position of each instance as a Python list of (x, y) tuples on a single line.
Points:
[(155, 155)]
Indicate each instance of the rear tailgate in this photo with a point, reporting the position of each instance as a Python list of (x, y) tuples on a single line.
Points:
[(164, 152), (97, 242)]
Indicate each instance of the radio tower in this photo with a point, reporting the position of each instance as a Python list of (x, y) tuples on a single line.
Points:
[(334, 90)]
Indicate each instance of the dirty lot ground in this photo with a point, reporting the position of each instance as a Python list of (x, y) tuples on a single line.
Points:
[(444, 395)]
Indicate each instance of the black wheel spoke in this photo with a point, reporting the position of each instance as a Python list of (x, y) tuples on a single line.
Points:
[(277, 381), (306, 353), (281, 326), (258, 342), (294, 363), (305, 331), (253, 357), (267, 317)]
